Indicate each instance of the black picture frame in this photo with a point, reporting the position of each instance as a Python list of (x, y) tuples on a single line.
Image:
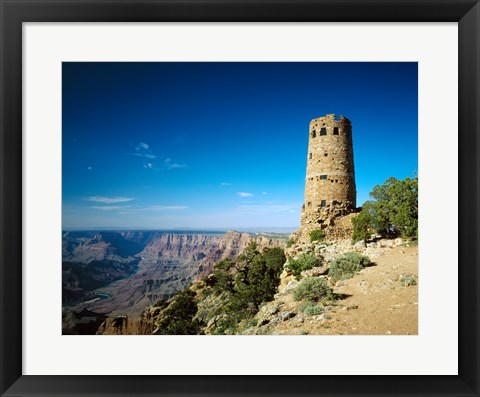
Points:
[(15, 12)]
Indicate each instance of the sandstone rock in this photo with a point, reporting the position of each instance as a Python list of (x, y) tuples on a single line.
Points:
[(315, 272), (373, 252), (398, 242), (286, 315), (250, 331), (266, 313), (212, 323), (385, 243), (359, 245), (122, 325), (291, 284)]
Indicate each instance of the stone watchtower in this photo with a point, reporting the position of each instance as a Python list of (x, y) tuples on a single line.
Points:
[(330, 182)]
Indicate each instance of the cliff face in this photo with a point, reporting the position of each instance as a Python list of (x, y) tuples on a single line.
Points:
[(204, 250), (91, 260), (84, 247), (167, 263), (122, 325)]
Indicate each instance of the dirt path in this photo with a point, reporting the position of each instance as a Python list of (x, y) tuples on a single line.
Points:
[(385, 306), (376, 302)]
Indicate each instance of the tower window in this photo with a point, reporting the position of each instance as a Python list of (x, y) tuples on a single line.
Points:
[(310, 156), (314, 134), (324, 203), (335, 130), (323, 131), (325, 154), (323, 177), (309, 204)]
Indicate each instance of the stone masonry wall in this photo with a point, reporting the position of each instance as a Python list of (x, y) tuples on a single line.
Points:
[(330, 179)]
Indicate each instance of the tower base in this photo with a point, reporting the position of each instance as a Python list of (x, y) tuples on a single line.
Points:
[(334, 221)]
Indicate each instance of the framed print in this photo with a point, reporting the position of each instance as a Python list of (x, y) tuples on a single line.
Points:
[(239, 198)]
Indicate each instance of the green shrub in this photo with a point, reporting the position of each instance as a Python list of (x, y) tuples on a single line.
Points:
[(255, 281), (393, 210), (313, 289), (408, 280), (161, 303), (290, 242), (361, 226), (222, 277), (316, 235), (178, 317), (347, 265), (304, 262), (310, 309)]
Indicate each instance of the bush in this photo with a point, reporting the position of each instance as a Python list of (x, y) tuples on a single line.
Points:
[(290, 242), (222, 277), (316, 235), (304, 262), (313, 289), (361, 226), (408, 280), (310, 309), (178, 317), (347, 265), (392, 212), (234, 291), (255, 281)]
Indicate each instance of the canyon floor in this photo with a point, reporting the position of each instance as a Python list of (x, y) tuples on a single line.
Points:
[(375, 301)]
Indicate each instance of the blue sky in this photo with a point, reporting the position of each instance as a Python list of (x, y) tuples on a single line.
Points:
[(221, 145)]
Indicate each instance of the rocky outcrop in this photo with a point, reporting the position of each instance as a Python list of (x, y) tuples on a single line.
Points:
[(81, 322), (381, 299), (335, 222), (329, 250), (84, 247), (168, 263), (123, 325), (204, 249)]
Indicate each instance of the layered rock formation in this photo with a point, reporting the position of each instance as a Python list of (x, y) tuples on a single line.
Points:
[(165, 263)]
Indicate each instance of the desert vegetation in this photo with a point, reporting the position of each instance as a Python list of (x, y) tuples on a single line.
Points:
[(392, 212), (229, 298)]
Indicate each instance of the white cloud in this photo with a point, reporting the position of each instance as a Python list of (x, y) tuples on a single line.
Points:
[(170, 165), (225, 184), (145, 155), (108, 200), (176, 165), (148, 165), (89, 168), (264, 193), (244, 194), (143, 150), (142, 145), (107, 207), (137, 210)]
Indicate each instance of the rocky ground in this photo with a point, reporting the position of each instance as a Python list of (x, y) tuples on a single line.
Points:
[(379, 300)]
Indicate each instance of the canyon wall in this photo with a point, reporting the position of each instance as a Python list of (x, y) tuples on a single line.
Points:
[(164, 264)]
